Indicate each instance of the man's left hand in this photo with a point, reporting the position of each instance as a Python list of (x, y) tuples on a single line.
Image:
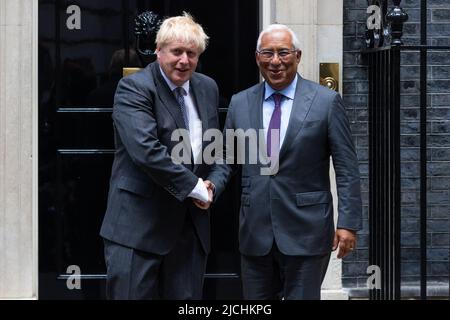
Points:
[(345, 240)]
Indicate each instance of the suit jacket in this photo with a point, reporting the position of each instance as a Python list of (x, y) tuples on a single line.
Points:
[(294, 206), (147, 200)]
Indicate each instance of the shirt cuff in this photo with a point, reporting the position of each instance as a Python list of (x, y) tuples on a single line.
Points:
[(200, 192)]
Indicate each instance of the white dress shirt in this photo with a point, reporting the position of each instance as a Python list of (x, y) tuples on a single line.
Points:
[(195, 135), (286, 107)]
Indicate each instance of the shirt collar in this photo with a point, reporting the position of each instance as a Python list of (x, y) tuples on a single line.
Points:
[(171, 85), (288, 92)]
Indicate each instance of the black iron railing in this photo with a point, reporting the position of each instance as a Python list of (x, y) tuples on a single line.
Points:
[(384, 169), (384, 151)]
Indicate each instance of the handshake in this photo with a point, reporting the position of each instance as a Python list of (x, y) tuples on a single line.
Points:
[(203, 203)]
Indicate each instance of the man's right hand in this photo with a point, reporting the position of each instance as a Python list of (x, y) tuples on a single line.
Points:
[(205, 205)]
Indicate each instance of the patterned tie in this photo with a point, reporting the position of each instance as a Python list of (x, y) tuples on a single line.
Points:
[(275, 122), (180, 93)]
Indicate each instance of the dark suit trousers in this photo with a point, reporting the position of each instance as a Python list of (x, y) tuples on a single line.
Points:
[(276, 276), (136, 275)]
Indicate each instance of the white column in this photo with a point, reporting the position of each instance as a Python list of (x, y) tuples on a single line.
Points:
[(301, 17), (18, 149), (330, 48), (319, 28)]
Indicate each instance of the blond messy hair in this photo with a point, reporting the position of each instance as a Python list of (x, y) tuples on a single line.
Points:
[(182, 28)]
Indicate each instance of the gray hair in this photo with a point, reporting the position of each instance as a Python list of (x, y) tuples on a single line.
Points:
[(276, 27)]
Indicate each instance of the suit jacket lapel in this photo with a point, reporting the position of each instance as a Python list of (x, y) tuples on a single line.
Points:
[(167, 96), (168, 100), (255, 100), (304, 96), (198, 95)]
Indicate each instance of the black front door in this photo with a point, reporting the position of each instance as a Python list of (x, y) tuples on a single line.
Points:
[(83, 46)]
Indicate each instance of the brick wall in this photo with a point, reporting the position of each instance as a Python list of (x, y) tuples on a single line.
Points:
[(355, 94)]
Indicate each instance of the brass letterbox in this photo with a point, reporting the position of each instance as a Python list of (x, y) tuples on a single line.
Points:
[(329, 75)]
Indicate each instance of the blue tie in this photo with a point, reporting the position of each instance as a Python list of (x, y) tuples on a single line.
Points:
[(180, 93), (275, 123)]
